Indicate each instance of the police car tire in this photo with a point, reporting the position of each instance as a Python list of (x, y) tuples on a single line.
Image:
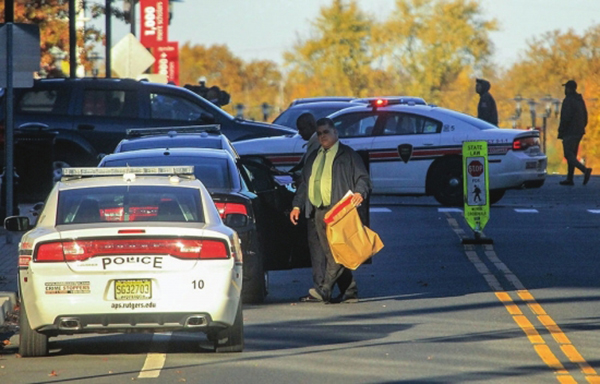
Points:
[(31, 342), (442, 174), (231, 339)]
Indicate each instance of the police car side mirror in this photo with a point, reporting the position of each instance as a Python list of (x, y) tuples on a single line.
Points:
[(17, 223), (236, 220)]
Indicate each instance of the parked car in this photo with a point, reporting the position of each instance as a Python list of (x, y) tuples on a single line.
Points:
[(307, 100), (431, 140), (200, 136), (82, 119), (317, 108), (269, 240), (324, 106), (129, 250)]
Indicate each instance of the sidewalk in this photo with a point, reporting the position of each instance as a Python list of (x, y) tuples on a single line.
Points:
[(9, 244)]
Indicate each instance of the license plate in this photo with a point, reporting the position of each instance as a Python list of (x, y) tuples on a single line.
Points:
[(133, 289)]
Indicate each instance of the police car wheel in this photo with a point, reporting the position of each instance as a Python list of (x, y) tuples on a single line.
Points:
[(31, 342), (231, 339), (448, 182)]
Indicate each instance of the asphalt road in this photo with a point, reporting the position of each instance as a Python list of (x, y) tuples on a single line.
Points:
[(524, 309)]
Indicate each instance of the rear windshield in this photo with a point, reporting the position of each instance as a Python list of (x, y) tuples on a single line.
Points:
[(212, 172), (133, 203), (171, 142), (289, 117)]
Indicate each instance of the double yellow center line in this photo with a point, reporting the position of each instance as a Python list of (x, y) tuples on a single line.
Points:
[(524, 296)]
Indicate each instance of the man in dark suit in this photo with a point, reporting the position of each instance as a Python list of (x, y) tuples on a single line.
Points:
[(328, 174)]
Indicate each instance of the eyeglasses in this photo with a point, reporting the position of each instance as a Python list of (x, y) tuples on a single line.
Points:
[(323, 132)]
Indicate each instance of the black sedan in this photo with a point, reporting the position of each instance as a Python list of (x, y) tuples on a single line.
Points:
[(269, 240)]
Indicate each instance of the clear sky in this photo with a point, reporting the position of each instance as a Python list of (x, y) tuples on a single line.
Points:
[(264, 29)]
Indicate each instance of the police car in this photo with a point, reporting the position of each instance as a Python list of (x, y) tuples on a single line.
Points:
[(416, 149), (129, 250)]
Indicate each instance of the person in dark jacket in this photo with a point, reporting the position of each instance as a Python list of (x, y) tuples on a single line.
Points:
[(327, 175), (486, 109), (573, 119)]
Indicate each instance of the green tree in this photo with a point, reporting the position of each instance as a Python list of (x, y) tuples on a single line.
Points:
[(52, 16), (337, 60)]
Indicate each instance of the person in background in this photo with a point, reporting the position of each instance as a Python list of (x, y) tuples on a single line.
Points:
[(328, 174), (573, 119), (307, 126), (486, 109)]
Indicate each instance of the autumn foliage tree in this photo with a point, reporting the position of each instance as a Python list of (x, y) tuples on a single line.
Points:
[(52, 16)]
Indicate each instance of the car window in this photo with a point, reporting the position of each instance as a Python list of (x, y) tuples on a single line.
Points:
[(47, 101), (289, 116), (133, 203), (355, 124), (212, 172), (171, 107), (170, 142), (102, 102), (408, 124)]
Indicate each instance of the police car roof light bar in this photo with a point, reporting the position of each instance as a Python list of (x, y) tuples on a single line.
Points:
[(138, 132), (70, 173)]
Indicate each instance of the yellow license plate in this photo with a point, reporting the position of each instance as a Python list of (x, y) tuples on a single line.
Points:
[(133, 289)]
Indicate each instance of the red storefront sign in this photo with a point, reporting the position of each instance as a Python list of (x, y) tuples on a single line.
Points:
[(154, 22), (167, 60)]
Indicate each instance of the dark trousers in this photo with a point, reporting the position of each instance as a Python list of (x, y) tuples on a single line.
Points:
[(570, 149), (334, 272)]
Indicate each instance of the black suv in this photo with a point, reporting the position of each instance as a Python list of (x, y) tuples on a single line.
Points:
[(74, 122), (91, 115)]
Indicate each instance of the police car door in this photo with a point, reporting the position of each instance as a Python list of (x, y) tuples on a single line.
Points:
[(403, 147)]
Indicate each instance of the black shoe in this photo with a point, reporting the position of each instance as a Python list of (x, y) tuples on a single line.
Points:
[(310, 299), (567, 182), (586, 175)]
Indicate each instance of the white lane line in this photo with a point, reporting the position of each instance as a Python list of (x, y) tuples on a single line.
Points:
[(155, 361), (526, 210), (380, 210), (450, 210), (594, 210)]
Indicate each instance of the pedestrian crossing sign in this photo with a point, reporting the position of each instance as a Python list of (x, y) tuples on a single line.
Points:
[(476, 184)]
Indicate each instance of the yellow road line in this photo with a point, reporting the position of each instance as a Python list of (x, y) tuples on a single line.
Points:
[(540, 346)]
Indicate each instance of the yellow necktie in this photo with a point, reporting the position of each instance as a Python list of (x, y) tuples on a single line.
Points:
[(318, 199)]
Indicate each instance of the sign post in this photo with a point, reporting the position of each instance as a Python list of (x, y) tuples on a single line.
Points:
[(476, 189)]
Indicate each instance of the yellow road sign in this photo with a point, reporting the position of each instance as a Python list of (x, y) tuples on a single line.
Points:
[(476, 184)]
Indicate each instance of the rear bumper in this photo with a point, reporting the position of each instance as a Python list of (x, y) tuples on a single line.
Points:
[(68, 324)]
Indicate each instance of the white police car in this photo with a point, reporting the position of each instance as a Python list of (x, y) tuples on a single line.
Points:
[(415, 149), (129, 250)]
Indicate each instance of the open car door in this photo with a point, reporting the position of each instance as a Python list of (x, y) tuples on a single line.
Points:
[(285, 245)]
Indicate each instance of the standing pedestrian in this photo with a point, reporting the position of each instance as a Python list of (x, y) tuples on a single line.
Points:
[(327, 175), (307, 126), (486, 109), (573, 119)]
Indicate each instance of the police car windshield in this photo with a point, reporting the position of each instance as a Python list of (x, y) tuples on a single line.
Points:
[(129, 203), (212, 172), (477, 123)]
